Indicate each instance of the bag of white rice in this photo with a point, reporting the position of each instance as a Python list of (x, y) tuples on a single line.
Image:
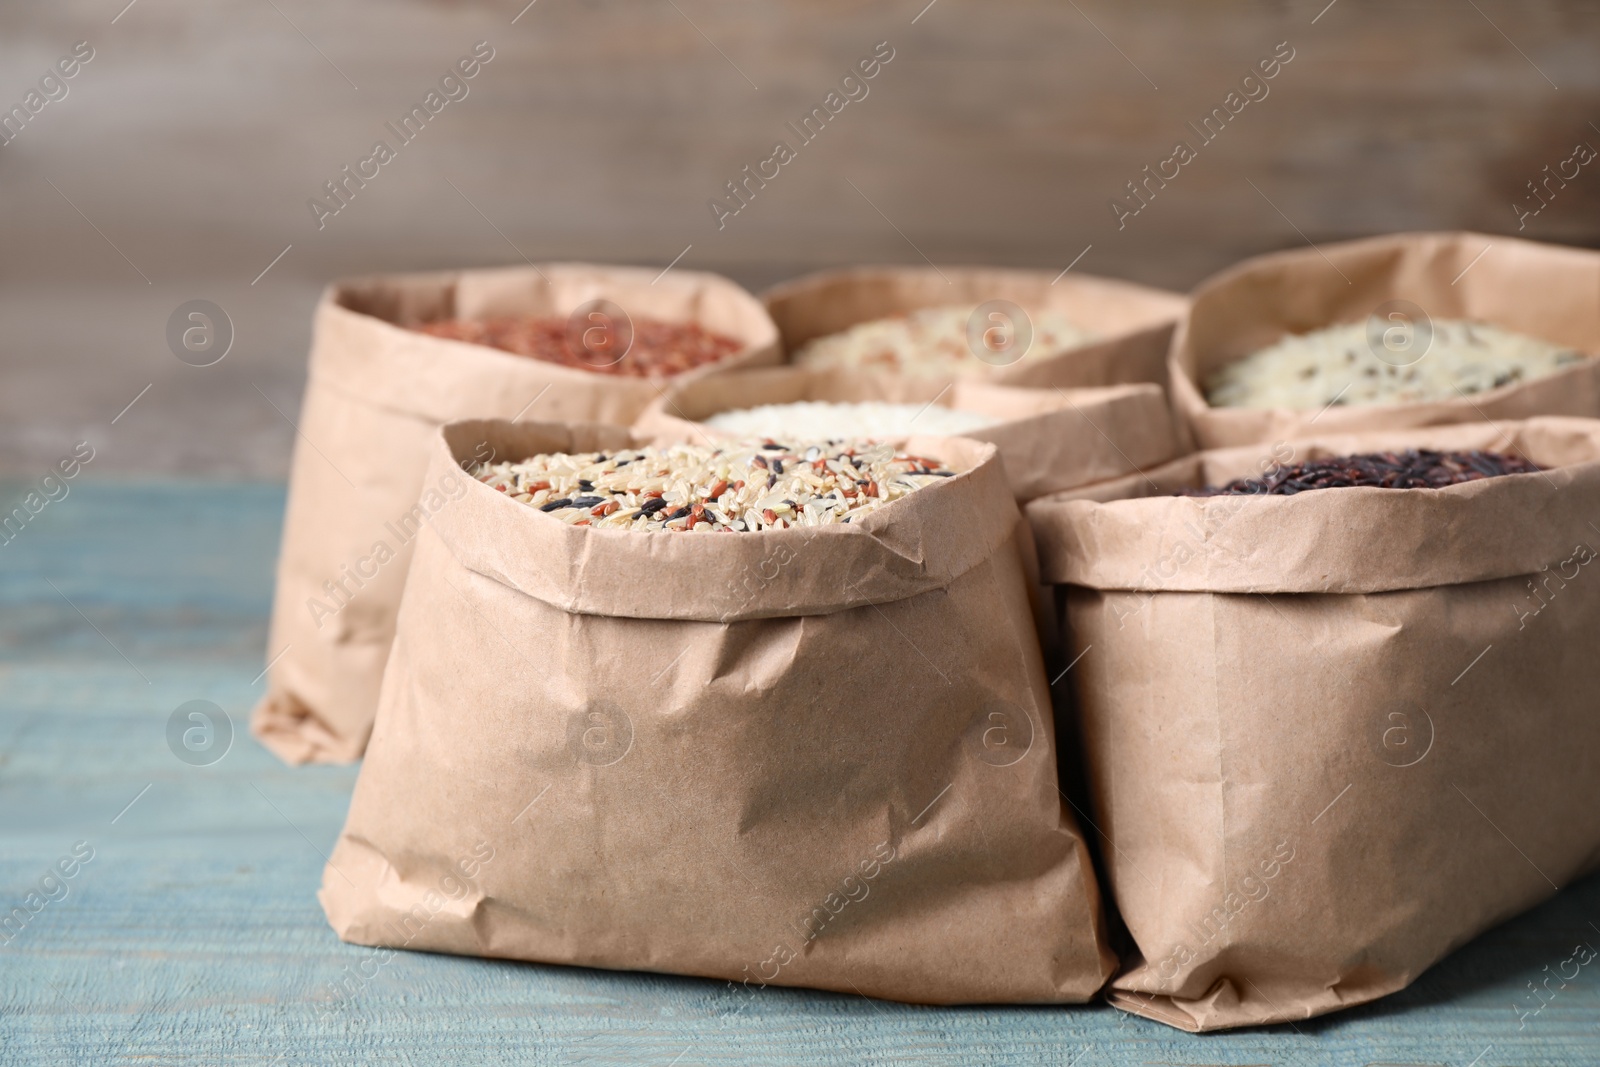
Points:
[(1049, 439)]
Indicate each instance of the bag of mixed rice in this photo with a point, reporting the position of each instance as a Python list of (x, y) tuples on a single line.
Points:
[(724, 713), (1416, 329), (1333, 733), (391, 361), (1049, 439)]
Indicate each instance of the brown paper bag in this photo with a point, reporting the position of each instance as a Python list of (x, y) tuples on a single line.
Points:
[(1135, 322), (1051, 439), (818, 757), (1541, 290), (376, 395), (1332, 736)]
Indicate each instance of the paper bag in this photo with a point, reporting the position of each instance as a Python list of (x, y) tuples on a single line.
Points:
[(1332, 736), (1544, 291), (377, 393), (818, 756), (1134, 322), (1049, 439)]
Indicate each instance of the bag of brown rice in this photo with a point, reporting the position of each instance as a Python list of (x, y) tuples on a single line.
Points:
[(380, 387), (1333, 735), (1049, 439), (660, 723), (1417, 329), (1014, 327)]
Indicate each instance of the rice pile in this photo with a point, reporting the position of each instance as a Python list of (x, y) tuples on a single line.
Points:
[(816, 420), (929, 341), (1338, 365), (737, 488), (1411, 469), (654, 348)]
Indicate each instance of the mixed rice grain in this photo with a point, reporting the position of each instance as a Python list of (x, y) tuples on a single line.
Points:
[(741, 488)]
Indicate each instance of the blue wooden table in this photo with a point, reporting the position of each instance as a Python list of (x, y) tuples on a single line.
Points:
[(193, 935)]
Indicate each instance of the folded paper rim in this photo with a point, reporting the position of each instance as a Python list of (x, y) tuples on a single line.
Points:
[(919, 543), (1121, 535), (383, 363)]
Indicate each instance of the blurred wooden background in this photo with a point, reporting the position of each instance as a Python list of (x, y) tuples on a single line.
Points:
[(180, 162)]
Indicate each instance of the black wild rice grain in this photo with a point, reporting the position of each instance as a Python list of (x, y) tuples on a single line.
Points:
[(1411, 469)]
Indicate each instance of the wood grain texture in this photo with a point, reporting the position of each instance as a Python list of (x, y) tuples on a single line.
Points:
[(186, 150), (194, 937)]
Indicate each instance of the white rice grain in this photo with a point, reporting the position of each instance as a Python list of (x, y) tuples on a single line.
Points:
[(817, 419)]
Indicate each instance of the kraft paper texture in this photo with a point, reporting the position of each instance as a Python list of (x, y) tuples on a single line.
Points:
[(1331, 737), (1545, 291), (376, 396), (813, 757)]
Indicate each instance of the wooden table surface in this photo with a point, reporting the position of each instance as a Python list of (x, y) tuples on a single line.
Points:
[(193, 935)]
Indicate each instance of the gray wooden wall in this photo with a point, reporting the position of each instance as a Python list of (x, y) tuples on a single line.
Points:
[(180, 162)]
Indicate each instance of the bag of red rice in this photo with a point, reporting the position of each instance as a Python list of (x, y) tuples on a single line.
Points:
[(1332, 734), (669, 710), (390, 362)]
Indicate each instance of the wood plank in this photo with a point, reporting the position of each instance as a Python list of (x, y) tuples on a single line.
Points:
[(998, 134)]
